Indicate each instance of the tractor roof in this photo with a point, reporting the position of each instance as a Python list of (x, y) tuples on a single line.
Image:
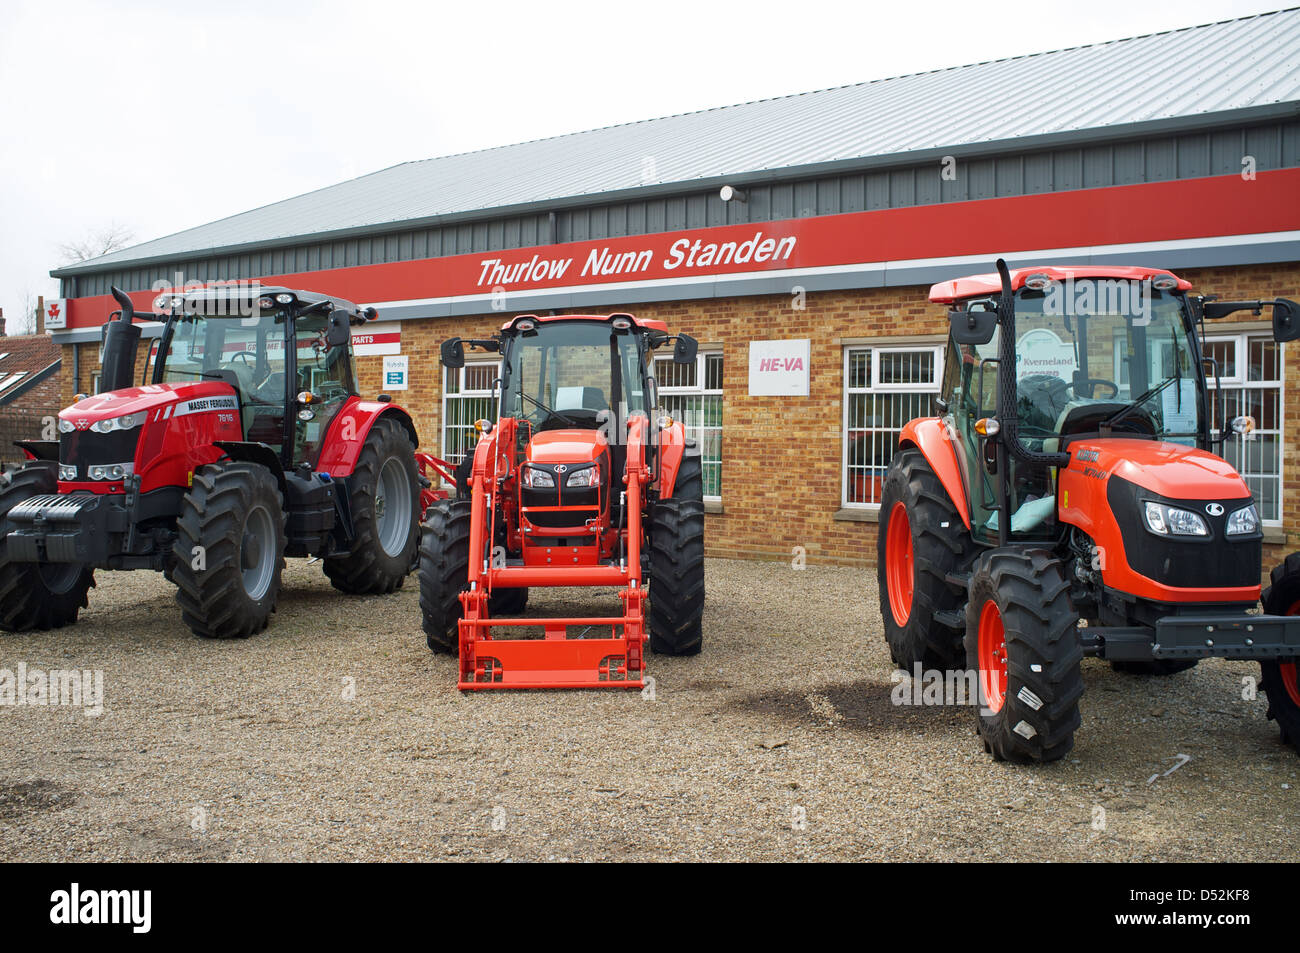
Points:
[(652, 325), (250, 291), (946, 292)]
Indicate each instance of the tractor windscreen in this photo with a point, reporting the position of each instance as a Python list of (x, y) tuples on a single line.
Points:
[(572, 374), (1104, 354), (247, 352)]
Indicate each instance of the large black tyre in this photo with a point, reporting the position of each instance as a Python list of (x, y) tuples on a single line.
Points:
[(385, 502), (508, 601), (36, 595), (921, 540), (677, 565), (229, 550), (1022, 642), (1158, 666), (444, 571), (1280, 679)]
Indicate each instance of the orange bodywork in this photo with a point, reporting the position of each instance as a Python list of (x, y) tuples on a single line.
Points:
[(1166, 469), (929, 435)]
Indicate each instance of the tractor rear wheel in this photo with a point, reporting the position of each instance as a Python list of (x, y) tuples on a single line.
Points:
[(229, 550), (1021, 641), (677, 565), (36, 595), (444, 571), (921, 539), (385, 504), (1281, 685)]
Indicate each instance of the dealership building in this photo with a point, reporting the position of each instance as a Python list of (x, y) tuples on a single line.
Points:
[(796, 239)]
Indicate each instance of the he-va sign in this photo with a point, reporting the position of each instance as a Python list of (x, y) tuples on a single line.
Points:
[(778, 368)]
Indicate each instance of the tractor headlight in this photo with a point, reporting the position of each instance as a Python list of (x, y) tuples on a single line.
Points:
[(126, 422), (537, 479), (1170, 520), (111, 471), (1243, 521), (66, 426), (588, 477), (67, 472)]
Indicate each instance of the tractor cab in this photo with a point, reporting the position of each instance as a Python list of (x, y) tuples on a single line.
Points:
[(287, 356), (1109, 354)]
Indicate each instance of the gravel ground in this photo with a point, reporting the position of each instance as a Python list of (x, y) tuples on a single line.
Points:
[(336, 735)]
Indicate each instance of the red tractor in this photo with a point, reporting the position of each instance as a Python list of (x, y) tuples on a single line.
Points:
[(248, 443), (577, 483), (1071, 476)]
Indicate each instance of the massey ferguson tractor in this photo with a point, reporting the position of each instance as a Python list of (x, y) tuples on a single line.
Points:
[(248, 443), (579, 482), (1072, 476)]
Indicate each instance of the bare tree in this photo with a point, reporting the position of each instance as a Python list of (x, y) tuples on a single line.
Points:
[(24, 321), (100, 241)]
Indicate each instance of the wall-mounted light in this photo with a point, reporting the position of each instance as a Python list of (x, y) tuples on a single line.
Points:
[(729, 193)]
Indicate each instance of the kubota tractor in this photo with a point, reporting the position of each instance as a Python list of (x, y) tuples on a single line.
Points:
[(1070, 475), (248, 443), (579, 482)]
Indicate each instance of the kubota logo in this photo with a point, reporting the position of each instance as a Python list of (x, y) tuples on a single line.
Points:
[(1214, 509)]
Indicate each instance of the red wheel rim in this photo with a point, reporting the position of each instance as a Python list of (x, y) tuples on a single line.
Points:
[(898, 563), (993, 657), (1288, 669)]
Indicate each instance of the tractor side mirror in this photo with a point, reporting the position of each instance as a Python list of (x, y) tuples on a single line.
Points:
[(973, 327), (685, 349), (1286, 320), (453, 353), (338, 333)]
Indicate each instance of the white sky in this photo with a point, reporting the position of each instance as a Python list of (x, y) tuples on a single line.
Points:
[(163, 115)]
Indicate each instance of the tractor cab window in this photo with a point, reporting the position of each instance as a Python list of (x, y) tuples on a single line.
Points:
[(246, 352), (572, 374), (1101, 355), (325, 372)]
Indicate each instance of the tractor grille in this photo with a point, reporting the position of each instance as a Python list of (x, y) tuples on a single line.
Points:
[(85, 448), (556, 519)]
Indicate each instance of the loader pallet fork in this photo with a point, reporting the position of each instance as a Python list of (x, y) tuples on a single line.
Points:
[(563, 491)]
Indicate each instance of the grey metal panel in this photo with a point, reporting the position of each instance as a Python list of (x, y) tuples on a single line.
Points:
[(1159, 81)]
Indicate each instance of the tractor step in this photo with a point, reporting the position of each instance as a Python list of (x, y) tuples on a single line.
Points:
[(952, 618)]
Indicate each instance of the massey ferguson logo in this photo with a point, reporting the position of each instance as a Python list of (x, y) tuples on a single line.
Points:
[(81, 423)]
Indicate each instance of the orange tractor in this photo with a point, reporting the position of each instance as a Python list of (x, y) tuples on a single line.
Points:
[(1071, 475), (579, 482)]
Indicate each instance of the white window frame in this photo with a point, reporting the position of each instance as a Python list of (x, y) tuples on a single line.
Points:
[(1241, 341), (872, 389), (461, 395), (699, 390)]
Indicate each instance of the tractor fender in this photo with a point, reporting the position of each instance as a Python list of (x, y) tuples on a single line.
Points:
[(347, 433), (930, 436), (672, 449), (249, 451)]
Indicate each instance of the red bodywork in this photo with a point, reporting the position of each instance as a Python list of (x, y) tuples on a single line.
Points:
[(948, 292)]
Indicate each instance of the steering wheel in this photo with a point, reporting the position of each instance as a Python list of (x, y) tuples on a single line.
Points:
[(1092, 383), (248, 356)]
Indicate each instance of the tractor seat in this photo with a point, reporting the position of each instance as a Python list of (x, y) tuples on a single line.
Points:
[(580, 398)]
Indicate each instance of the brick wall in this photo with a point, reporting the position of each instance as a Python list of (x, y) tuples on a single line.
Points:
[(782, 456), (27, 416)]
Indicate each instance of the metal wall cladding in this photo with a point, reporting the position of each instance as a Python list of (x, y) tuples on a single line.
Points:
[(1236, 82)]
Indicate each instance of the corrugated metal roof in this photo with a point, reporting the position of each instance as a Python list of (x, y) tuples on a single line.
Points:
[(1230, 66)]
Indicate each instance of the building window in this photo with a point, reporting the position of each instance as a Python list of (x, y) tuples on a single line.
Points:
[(692, 393), (1250, 375), (884, 388), (466, 397)]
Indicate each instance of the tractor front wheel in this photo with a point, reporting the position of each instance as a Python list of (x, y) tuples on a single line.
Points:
[(385, 504), (1021, 641), (1279, 679), (444, 572), (36, 595), (921, 539), (229, 550), (677, 565)]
